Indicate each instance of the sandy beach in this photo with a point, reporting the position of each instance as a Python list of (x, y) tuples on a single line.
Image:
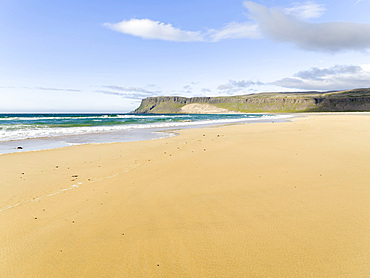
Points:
[(256, 200)]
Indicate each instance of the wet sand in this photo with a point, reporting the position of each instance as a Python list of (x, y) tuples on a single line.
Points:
[(259, 200)]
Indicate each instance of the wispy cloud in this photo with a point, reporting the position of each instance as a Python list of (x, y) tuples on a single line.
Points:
[(7, 87), (359, 1), (333, 78), (234, 87), (129, 95), (135, 93), (307, 10), (127, 89), (42, 88), (57, 89), (235, 30)]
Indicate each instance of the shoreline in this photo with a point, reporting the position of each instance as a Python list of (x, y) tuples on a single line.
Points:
[(261, 200), (57, 142), (126, 135)]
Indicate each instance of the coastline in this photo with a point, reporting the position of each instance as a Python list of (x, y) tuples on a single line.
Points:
[(22, 135), (275, 199)]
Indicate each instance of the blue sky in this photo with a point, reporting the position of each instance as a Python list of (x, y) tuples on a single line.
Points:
[(105, 56)]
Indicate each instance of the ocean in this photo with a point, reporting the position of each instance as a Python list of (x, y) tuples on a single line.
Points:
[(30, 132)]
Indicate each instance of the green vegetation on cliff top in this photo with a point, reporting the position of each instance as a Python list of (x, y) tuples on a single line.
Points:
[(351, 100)]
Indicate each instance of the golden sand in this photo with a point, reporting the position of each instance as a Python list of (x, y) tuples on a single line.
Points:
[(260, 200)]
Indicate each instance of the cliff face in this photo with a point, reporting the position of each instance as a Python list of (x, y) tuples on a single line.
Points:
[(352, 100)]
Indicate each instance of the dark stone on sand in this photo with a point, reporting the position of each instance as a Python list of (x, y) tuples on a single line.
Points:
[(19, 148), (74, 176), (35, 217)]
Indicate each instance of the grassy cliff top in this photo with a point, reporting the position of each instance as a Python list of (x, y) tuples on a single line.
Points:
[(348, 100)]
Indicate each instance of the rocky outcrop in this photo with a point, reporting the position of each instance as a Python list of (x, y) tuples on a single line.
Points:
[(352, 100), (346, 104)]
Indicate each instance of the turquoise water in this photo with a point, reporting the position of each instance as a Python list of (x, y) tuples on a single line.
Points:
[(42, 131)]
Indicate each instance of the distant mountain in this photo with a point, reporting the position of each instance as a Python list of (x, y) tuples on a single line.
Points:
[(350, 100)]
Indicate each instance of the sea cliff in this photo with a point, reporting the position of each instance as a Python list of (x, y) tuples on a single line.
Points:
[(351, 100)]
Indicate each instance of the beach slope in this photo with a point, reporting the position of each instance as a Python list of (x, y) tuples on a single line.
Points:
[(257, 200)]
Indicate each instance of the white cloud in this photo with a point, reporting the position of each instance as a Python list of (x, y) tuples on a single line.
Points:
[(149, 29), (310, 9), (339, 77), (330, 36)]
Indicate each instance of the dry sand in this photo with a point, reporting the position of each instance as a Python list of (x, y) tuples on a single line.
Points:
[(261, 200)]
